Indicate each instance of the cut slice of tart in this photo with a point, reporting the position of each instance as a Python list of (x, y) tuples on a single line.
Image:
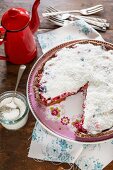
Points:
[(98, 111)]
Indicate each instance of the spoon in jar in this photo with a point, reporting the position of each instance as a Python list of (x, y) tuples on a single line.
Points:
[(11, 106)]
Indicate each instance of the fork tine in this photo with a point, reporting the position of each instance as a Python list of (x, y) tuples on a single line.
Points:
[(56, 22), (95, 7), (48, 9), (94, 11), (52, 9), (57, 19), (54, 18), (100, 8)]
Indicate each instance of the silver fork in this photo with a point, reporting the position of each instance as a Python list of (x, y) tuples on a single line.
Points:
[(91, 20), (87, 11), (71, 16), (61, 22)]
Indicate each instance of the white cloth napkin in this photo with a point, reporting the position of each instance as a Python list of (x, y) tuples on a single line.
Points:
[(46, 146)]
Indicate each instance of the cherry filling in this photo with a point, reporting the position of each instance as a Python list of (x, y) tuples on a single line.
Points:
[(42, 89), (79, 125)]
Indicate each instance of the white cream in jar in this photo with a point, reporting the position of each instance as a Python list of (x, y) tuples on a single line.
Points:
[(15, 117)]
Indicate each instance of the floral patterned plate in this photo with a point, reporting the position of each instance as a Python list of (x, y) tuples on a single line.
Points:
[(59, 118)]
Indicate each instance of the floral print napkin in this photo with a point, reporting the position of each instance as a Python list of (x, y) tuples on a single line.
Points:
[(75, 31), (45, 146), (52, 148)]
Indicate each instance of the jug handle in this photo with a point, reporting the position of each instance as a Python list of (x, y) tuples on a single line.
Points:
[(2, 34)]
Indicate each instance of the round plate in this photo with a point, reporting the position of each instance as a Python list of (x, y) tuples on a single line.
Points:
[(39, 111)]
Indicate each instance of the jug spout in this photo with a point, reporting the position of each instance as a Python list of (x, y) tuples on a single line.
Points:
[(34, 23)]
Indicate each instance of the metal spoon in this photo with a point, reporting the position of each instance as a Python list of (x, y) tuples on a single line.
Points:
[(20, 73), (11, 105)]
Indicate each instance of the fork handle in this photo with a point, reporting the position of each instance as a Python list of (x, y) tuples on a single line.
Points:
[(95, 19), (103, 29), (96, 23), (47, 14)]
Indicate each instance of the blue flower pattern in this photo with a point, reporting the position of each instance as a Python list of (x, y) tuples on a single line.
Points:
[(60, 150), (89, 164), (98, 166), (36, 135), (91, 147), (83, 27), (57, 149), (63, 145)]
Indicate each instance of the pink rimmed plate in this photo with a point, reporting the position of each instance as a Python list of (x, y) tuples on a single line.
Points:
[(59, 118)]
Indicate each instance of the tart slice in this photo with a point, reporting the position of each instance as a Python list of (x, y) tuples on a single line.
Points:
[(98, 111)]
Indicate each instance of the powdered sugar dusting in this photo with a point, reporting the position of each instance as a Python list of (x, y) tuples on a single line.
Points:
[(71, 69)]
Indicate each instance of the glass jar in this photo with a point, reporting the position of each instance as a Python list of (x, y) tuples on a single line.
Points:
[(21, 120)]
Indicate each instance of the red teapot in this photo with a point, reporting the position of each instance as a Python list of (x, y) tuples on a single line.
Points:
[(17, 32)]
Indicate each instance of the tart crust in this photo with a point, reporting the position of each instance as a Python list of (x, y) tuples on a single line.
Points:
[(80, 136)]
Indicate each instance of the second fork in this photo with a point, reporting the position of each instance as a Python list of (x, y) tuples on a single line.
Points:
[(96, 23)]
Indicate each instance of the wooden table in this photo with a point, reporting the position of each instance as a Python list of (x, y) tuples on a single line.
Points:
[(14, 144)]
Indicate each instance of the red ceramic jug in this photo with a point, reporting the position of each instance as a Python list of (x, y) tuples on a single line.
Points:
[(17, 32)]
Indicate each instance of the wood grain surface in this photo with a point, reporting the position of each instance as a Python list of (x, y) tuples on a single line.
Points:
[(14, 144)]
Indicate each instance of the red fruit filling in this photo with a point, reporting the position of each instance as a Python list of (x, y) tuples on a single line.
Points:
[(57, 98), (79, 125)]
